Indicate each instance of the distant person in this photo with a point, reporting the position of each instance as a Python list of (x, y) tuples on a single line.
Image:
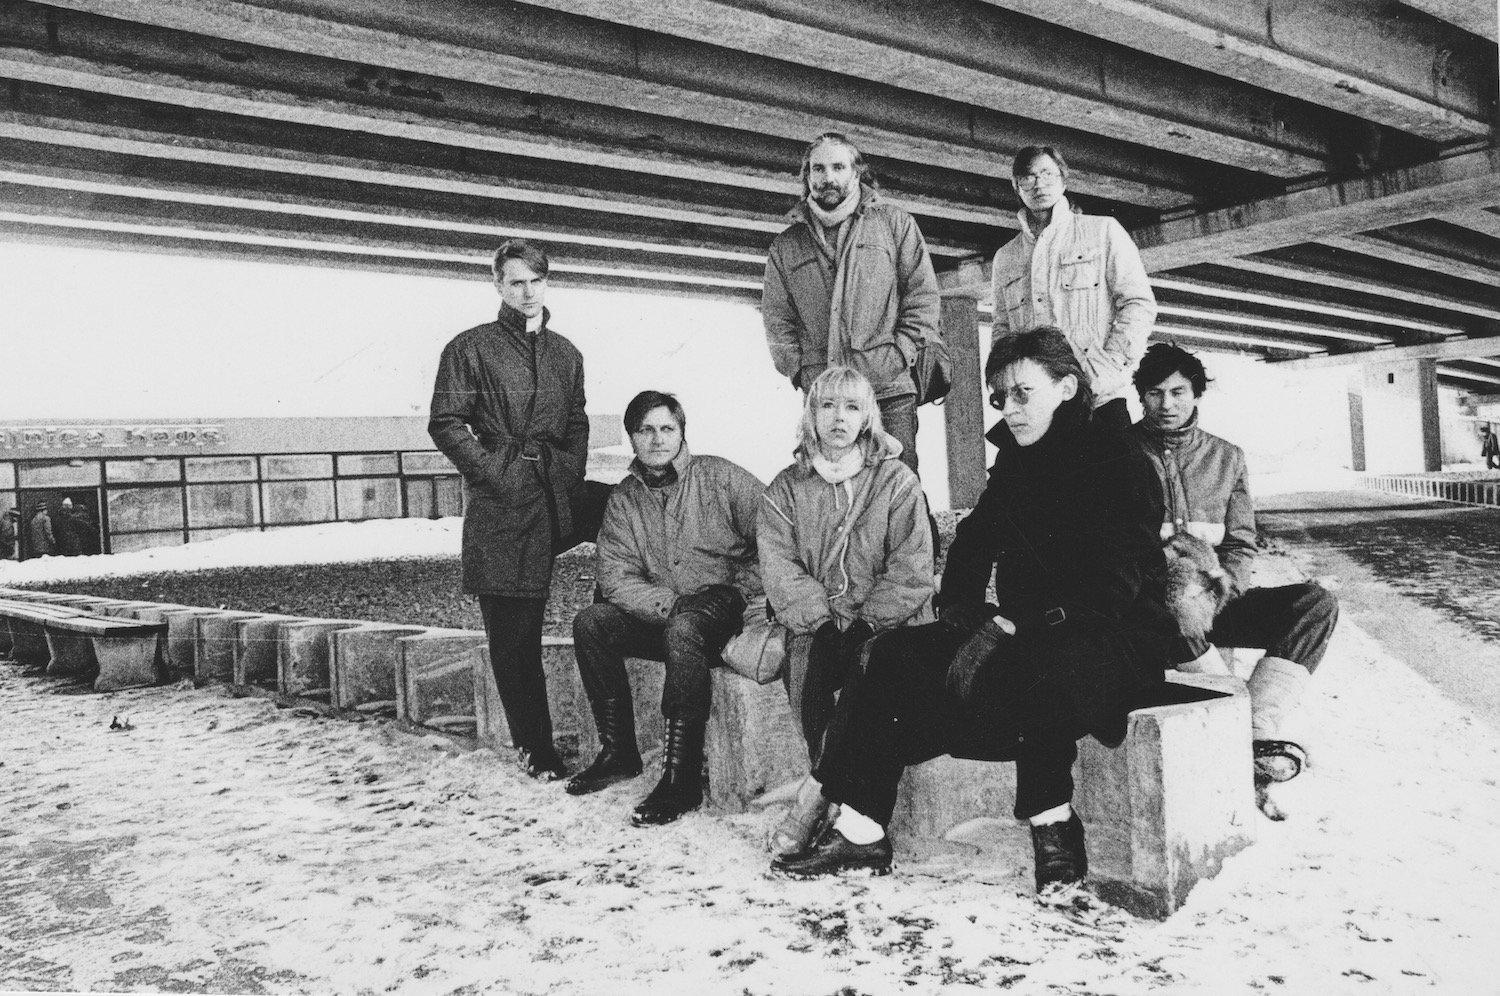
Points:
[(1207, 496), (1489, 447), (677, 568), (70, 530), (508, 410), (8, 532), (845, 554), (1078, 272), (40, 540), (1066, 533), (850, 284)]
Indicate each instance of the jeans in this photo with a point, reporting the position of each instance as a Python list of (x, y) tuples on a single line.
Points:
[(1293, 622), (899, 416)]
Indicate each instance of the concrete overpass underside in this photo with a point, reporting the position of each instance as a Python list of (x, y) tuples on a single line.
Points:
[(1311, 181)]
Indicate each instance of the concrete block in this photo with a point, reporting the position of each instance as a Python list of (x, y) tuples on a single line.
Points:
[(945, 792), (303, 656), (181, 651), (565, 695), (129, 661), (71, 655), (362, 666), (28, 642), (1166, 807), (646, 681), (435, 679), (257, 649), (130, 609), (213, 646), (753, 745)]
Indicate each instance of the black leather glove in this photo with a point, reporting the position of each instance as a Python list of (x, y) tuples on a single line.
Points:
[(722, 603), (853, 639), (972, 655), (966, 617)]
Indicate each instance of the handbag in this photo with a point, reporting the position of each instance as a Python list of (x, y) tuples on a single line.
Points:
[(757, 651), (933, 369)]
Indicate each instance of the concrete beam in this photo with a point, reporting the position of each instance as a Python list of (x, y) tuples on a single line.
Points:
[(1337, 209), (1475, 16), (1407, 255), (1366, 60), (1362, 283), (996, 60), (1178, 284), (1228, 316), (1452, 349), (544, 52), (1479, 220), (133, 82), (1168, 330)]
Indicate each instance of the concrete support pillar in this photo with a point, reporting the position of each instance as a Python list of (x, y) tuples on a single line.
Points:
[(1399, 416), (964, 406)]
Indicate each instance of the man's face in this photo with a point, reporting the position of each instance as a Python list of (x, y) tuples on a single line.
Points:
[(831, 175), (1041, 185), (658, 440), (522, 288), (1170, 404)]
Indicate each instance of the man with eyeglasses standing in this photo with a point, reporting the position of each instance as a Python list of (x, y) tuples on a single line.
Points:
[(1078, 272)]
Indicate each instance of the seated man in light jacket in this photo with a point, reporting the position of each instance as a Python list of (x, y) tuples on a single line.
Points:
[(677, 566), (1204, 482)]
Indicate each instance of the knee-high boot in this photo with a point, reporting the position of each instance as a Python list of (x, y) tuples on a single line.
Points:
[(681, 787)]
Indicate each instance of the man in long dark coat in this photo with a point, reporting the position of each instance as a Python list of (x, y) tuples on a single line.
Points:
[(508, 410)]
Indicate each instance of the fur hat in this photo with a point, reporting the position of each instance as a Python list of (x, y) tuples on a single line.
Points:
[(1197, 587)]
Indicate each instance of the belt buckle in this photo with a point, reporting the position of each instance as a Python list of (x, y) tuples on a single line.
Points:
[(528, 454), (1054, 616)]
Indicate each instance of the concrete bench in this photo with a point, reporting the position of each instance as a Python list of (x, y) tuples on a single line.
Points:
[(565, 698), (302, 664), (362, 666), (257, 650), (125, 653), (435, 679), (214, 641)]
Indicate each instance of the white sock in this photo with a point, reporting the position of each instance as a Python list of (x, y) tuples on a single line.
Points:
[(856, 827), (1057, 814)]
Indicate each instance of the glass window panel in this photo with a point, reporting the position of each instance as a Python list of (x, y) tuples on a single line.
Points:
[(221, 468), (426, 463), (7, 476), (419, 499), (200, 535), (302, 465), (143, 541), (369, 498), (137, 509), (211, 505), (360, 464), (301, 501), (450, 496), (133, 471), (59, 474)]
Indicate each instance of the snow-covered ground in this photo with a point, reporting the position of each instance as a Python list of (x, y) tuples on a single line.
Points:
[(223, 845)]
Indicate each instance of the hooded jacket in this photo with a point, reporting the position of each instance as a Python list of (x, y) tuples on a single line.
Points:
[(1203, 479), (869, 309), (1067, 528), (1084, 276), (508, 410), (655, 546), (857, 550)]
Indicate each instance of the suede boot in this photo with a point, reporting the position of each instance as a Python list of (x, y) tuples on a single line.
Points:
[(618, 758), (1060, 854), (1275, 688), (681, 787), (804, 820)]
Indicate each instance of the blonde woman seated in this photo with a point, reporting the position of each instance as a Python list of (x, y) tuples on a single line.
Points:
[(845, 553)]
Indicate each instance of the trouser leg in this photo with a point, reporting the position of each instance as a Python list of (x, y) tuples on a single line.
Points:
[(1044, 772), (513, 627), (603, 636), (899, 416), (693, 642), (1293, 622)]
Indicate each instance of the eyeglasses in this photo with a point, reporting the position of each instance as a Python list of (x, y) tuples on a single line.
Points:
[(1019, 395), (1038, 178)]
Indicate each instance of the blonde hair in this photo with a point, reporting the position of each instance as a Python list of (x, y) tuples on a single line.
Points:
[(838, 382)]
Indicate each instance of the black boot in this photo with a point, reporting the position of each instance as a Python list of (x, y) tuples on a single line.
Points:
[(1060, 854), (618, 757), (542, 763), (835, 854), (681, 787)]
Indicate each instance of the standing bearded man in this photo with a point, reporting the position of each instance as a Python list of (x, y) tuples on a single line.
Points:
[(507, 409), (850, 284)]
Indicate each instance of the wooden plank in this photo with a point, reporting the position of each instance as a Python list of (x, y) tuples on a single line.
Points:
[(1003, 62), (1475, 16), (1311, 305), (1318, 213), (1321, 276), (1475, 220), (1452, 349), (1229, 316), (1422, 259), (615, 67), (1367, 60)]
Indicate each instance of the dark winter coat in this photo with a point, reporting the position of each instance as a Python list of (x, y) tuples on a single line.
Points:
[(39, 532), (1069, 529), (508, 410)]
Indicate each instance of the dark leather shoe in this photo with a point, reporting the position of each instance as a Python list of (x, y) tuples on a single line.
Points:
[(609, 768), (681, 787), (543, 764), (833, 854), (1060, 854)]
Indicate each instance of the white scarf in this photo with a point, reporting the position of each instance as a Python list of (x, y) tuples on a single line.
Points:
[(840, 470)]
